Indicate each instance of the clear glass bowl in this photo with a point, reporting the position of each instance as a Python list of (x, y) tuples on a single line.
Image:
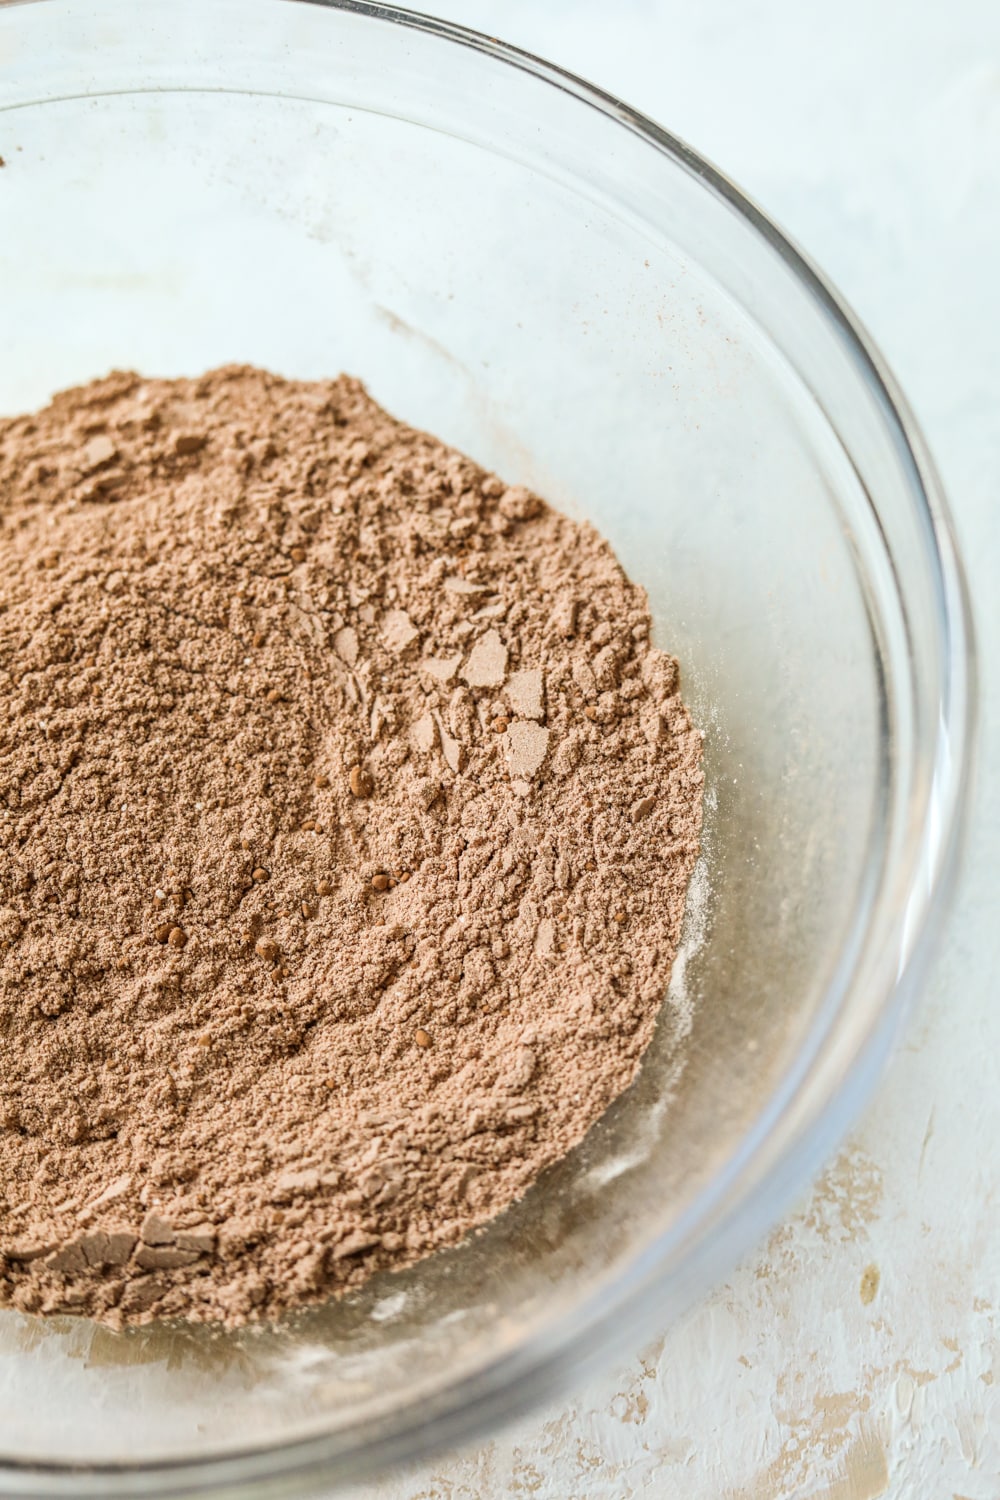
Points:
[(546, 279)]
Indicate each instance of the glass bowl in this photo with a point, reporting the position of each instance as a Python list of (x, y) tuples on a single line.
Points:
[(551, 282)]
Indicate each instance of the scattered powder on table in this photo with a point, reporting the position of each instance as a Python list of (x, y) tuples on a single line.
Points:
[(346, 818)]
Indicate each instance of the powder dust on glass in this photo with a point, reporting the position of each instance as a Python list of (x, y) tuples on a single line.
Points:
[(346, 818)]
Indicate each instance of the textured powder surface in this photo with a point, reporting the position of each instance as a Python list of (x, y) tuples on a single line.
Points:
[(346, 818)]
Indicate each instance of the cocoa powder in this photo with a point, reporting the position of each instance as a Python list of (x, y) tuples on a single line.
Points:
[(346, 818)]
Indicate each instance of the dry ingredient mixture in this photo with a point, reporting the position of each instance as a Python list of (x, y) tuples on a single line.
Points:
[(346, 818)]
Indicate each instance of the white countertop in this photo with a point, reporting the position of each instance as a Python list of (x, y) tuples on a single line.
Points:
[(871, 131)]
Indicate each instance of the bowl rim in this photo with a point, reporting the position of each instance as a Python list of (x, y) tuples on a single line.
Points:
[(547, 1359)]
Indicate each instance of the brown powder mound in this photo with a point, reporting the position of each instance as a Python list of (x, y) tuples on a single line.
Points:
[(346, 817)]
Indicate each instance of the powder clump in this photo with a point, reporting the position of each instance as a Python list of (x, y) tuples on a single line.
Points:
[(346, 818)]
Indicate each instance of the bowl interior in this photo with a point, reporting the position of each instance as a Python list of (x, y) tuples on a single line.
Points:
[(313, 190)]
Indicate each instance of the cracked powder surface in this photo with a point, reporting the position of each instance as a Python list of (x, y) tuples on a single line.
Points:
[(346, 819)]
